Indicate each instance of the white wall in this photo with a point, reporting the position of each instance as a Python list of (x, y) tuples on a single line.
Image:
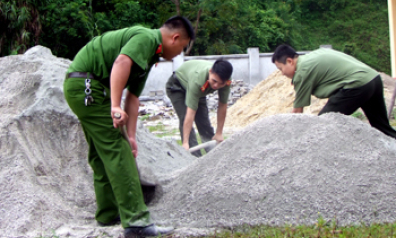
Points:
[(244, 68)]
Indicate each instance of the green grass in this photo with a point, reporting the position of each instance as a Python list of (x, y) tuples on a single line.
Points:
[(163, 130), (359, 115), (159, 127), (322, 229), (53, 236), (144, 117)]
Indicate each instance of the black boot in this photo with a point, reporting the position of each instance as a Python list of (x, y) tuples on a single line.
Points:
[(152, 230)]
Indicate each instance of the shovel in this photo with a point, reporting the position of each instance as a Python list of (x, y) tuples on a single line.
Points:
[(207, 146)]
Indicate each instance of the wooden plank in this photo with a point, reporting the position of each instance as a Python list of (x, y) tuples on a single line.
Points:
[(392, 32)]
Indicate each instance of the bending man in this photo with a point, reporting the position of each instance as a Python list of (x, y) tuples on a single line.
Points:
[(93, 88), (187, 89), (348, 83)]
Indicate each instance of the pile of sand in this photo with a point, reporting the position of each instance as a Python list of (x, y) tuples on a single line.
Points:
[(286, 169), (46, 184), (275, 95)]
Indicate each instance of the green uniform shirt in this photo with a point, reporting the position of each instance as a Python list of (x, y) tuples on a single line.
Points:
[(98, 56), (322, 72), (192, 76)]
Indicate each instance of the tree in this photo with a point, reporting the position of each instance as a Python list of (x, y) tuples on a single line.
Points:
[(69, 25), (20, 25), (230, 27)]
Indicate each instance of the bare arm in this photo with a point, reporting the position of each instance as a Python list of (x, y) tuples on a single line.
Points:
[(221, 115), (298, 110), (187, 125), (132, 109), (118, 79)]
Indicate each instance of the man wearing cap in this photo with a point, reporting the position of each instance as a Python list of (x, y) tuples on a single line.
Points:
[(348, 83), (187, 89), (93, 89)]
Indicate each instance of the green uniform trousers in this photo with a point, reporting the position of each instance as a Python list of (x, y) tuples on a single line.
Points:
[(370, 98), (177, 95), (116, 180)]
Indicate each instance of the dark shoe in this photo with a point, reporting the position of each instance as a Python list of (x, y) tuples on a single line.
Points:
[(115, 221), (152, 230)]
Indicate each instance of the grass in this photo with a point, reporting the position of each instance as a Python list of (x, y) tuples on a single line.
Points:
[(322, 229), (163, 131), (359, 115)]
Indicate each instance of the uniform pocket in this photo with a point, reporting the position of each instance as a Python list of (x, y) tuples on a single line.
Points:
[(74, 89), (98, 92)]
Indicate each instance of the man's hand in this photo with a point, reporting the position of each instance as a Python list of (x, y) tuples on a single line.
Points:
[(132, 109), (187, 126), (218, 137), (186, 146), (118, 79), (221, 115), (134, 146), (119, 116), (298, 110)]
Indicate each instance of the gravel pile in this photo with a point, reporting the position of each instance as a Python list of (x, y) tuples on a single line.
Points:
[(287, 169), (46, 185)]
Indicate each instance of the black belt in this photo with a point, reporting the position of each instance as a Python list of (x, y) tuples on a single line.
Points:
[(80, 75)]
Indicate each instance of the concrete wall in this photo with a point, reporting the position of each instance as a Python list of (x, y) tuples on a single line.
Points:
[(252, 68)]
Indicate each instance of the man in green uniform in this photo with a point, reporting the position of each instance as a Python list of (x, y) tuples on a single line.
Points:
[(187, 89), (348, 83), (93, 88)]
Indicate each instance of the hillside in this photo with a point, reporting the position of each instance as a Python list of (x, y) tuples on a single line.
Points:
[(358, 28)]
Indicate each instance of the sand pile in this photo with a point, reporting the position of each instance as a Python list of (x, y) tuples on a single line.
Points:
[(285, 169), (46, 184), (275, 95)]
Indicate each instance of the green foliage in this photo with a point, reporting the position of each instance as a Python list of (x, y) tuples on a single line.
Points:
[(357, 27), (230, 27), (67, 26), (20, 25)]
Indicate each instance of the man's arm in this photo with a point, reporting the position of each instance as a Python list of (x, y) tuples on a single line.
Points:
[(132, 109), (221, 115), (187, 125), (298, 110), (118, 79)]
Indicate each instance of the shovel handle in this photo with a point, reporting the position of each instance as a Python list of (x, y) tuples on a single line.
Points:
[(211, 143)]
